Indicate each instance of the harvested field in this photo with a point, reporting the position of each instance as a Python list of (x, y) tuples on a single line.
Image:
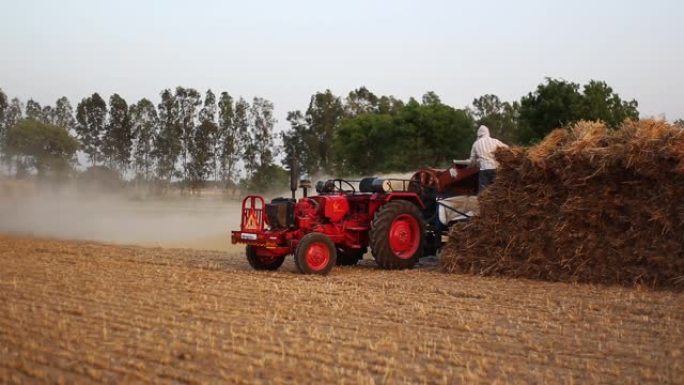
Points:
[(80, 312), (587, 204)]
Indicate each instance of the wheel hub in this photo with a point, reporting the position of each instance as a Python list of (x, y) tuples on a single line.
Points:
[(404, 237), (317, 256)]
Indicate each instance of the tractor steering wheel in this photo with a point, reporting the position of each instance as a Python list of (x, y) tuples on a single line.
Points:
[(339, 188)]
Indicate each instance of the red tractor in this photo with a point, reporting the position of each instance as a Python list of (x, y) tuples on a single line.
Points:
[(398, 220)]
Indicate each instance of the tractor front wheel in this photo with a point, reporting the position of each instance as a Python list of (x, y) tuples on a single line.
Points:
[(315, 254), (396, 235), (259, 262)]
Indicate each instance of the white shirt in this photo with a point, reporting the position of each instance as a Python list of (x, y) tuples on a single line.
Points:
[(483, 149)]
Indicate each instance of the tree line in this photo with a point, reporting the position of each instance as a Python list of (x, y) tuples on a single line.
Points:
[(186, 137), (364, 133), (192, 138)]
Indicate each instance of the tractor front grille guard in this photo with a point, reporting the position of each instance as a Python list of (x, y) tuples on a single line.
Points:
[(253, 210)]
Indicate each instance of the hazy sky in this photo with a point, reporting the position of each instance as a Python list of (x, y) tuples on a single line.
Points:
[(287, 50)]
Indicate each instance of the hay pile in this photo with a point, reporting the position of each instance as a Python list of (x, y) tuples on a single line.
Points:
[(586, 204)]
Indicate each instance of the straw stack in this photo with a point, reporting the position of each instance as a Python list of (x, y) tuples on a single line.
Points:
[(587, 204)]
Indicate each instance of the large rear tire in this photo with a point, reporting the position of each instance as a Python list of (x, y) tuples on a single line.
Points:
[(315, 254), (397, 235), (260, 262)]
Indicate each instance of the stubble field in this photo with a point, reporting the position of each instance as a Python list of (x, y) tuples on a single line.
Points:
[(82, 312)]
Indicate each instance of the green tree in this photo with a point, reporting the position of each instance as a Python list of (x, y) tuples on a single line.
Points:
[(34, 110), (442, 132), (118, 138), (270, 178), (601, 103), (209, 109), (203, 143), (13, 113), (4, 105), (362, 144), (91, 114), (229, 150), (323, 117), (361, 101), (500, 117), (558, 103), (144, 123), (297, 143), (64, 114), (262, 123), (201, 151), (554, 104), (207, 116), (48, 115), (187, 102), (411, 136), (43, 147), (167, 141), (679, 123), (431, 99), (389, 105), (246, 144)]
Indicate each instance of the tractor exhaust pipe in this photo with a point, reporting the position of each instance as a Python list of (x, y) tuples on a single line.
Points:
[(305, 184), (294, 176)]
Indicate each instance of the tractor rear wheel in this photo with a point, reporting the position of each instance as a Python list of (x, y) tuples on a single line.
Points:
[(349, 257), (396, 235), (315, 254), (262, 262)]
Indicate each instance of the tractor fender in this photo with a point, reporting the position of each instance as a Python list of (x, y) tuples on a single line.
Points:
[(380, 200), (406, 196)]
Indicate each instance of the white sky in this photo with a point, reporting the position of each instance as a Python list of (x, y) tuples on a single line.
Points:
[(287, 50)]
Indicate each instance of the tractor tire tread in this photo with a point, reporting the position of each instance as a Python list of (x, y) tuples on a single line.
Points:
[(379, 235), (258, 264), (300, 258)]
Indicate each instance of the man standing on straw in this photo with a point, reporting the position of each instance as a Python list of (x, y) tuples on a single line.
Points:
[(482, 154)]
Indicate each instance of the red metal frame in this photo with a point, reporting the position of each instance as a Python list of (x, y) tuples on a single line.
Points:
[(343, 217), (253, 217), (458, 179)]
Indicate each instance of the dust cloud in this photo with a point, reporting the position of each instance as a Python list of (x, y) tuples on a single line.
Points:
[(202, 222), (197, 222)]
